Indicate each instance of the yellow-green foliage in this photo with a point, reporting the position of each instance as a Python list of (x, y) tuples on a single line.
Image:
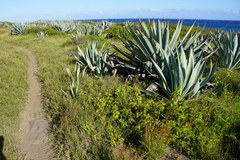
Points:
[(229, 79), (205, 32), (207, 129), (123, 113), (129, 111), (117, 32), (89, 22)]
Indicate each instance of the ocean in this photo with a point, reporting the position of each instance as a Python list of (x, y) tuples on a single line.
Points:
[(226, 25)]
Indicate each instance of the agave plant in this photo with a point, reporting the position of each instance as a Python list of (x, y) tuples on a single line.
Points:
[(153, 41), (76, 35), (19, 29), (5, 25), (93, 59), (183, 73), (128, 23), (103, 25), (170, 62), (43, 25), (42, 34), (228, 45), (63, 27), (74, 77), (88, 29)]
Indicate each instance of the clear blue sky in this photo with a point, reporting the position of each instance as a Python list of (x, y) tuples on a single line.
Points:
[(31, 10)]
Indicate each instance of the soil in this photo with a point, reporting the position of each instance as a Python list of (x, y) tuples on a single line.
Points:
[(34, 127)]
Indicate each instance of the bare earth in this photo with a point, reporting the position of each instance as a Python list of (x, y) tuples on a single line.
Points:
[(34, 127)]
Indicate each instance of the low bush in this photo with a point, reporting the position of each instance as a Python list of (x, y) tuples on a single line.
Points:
[(117, 32), (231, 80), (207, 129), (129, 111), (49, 31), (89, 22), (126, 117), (83, 42), (201, 129)]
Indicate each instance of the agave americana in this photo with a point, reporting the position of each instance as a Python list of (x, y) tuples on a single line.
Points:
[(19, 29), (93, 59), (228, 45)]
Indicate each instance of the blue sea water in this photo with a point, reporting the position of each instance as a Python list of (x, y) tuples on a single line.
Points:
[(227, 25)]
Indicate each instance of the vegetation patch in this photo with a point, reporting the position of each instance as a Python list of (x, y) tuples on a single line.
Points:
[(116, 32), (154, 94), (49, 31), (13, 87)]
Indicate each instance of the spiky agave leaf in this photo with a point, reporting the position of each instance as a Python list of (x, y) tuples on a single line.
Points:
[(19, 29), (153, 41), (4, 24), (64, 27), (93, 59), (88, 29), (42, 34), (103, 25), (74, 78), (183, 73), (228, 45)]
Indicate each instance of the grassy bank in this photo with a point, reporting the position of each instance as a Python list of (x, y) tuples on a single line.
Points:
[(13, 87)]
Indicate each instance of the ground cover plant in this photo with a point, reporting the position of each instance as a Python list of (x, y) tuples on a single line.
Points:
[(103, 106)]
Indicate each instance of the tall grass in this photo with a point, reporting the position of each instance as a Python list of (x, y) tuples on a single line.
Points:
[(13, 87)]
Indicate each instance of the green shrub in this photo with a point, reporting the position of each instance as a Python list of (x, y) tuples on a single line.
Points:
[(89, 22), (229, 79), (130, 111), (82, 42), (204, 32), (124, 115), (200, 128), (133, 120), (116, 32), (77, 126), (49, 31)]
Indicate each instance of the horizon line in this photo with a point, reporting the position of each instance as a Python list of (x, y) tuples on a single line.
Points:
[(153, 18), (95, 19)]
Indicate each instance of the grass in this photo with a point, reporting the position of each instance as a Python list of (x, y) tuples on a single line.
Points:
[(110, 119), (13, 87)]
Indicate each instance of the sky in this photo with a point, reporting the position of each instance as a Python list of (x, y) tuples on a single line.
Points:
[(32, 10)]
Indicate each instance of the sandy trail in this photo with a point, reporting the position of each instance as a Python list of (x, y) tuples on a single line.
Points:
[(34, 127)]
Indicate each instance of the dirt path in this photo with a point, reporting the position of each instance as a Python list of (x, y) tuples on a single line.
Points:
[(34, 127)]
